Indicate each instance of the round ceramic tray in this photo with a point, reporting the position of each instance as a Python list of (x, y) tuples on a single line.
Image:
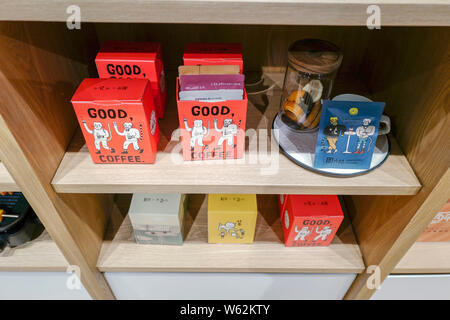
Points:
[(300, 147)]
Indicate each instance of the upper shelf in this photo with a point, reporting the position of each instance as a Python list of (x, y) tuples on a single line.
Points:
[(7, 182), (78, 174), (280, 12)]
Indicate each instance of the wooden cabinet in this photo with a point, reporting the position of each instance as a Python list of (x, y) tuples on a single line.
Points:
[(405, 63)]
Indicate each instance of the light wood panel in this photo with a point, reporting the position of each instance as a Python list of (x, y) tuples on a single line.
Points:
[(120, 253), (36, 124), (262, 45), (42, 254), (413, 77), (77, 172), (426, 257), (304, 12), (7, 183)]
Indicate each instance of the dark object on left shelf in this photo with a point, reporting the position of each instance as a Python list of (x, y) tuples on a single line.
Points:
[(18, 222)]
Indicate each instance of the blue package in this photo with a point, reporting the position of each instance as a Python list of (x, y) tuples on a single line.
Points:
[(348, 132)]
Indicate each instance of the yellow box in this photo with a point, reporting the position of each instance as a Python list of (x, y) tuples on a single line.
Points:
[(231, 218)]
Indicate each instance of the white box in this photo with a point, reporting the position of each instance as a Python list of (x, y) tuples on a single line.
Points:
[(158, 218)]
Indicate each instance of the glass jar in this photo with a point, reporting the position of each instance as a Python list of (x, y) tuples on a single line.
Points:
[(311, 69)]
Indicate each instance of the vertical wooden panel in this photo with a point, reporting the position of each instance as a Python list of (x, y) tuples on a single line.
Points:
[(409, 69), (39, 70)]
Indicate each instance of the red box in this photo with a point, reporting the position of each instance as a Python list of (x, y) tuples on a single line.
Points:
[(118, 120), (118, 59), (213, 54), (311, 220), (199, 121)]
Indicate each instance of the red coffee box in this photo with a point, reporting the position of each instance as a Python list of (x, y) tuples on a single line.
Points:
[(118, 120), (212, 130), (119, 59), (213, 54), (311, 220)]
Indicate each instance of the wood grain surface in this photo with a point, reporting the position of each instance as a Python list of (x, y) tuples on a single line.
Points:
[(413, 78), (41, 254), (36, 125), (304, 12)]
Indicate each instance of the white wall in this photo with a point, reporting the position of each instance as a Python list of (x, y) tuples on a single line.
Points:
[(38, 286), (226, 286), (414, 287)]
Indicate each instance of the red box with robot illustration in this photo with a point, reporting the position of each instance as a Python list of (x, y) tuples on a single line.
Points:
[(120, 59), (311, 220), (212, 130), (213, 54), (118, 120)]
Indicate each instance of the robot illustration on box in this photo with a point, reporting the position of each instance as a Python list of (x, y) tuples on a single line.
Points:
[(229, 131), (101, 136), (323, 234), (332, 133), (198, 132), (302, 233), (364, 134), (132, 136), (230, 228)]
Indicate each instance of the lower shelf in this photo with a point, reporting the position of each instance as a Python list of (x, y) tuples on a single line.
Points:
[(42, 254), (7, 183), (267, 254), (426, 257)]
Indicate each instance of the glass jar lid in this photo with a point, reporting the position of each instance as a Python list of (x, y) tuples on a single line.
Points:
[(314, 56)]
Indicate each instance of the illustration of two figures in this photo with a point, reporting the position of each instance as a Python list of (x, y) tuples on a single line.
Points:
[(198, 132), (335, 130), (103, 136)]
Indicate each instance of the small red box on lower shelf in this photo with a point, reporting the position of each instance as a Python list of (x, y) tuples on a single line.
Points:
[(311, 220), (118, 120)]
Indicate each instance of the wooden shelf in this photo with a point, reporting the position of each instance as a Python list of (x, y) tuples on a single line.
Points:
[(7, 183), (42, 254), (284, 12), (120, 253), (78, 174), (426, 257)]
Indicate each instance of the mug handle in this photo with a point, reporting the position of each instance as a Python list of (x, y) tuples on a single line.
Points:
[(387, 125)]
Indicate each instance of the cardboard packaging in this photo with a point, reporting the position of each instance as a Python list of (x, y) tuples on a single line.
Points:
[(119, 59), (213, 54), (439, 228), (118, 120), (158, 218), (212, 130), (311, 220), (232, 218)]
